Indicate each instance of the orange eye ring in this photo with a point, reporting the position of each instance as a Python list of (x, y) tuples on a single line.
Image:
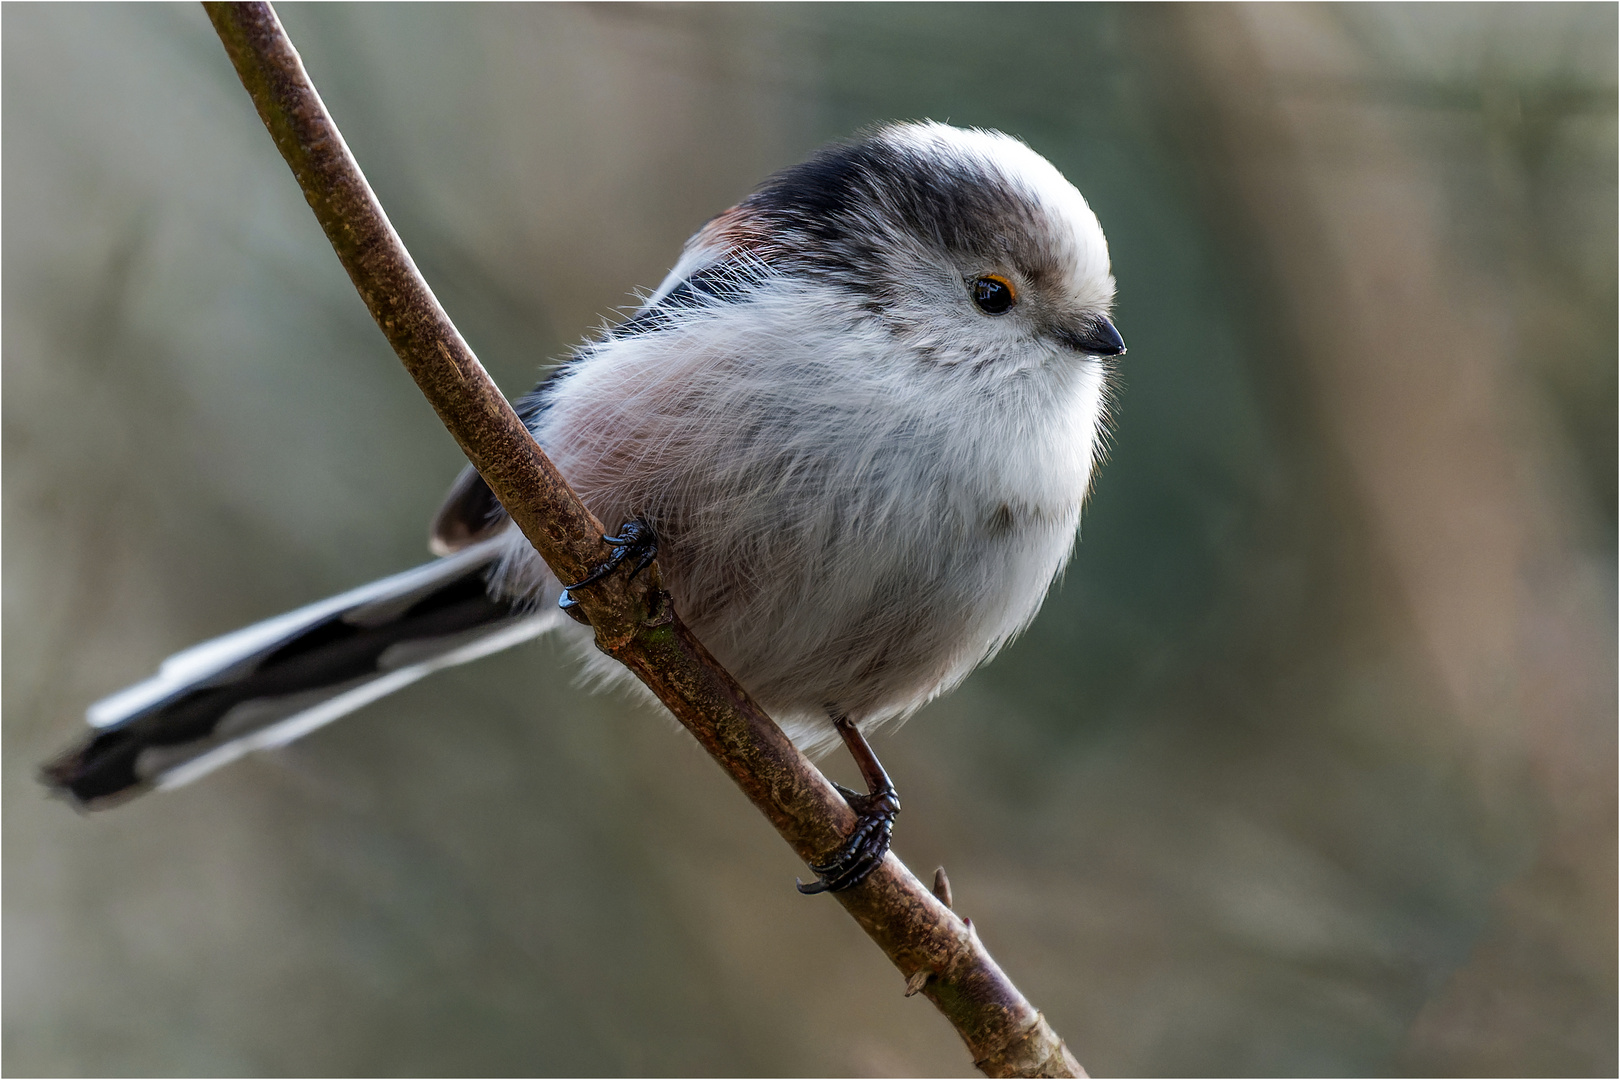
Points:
[(994, 294)]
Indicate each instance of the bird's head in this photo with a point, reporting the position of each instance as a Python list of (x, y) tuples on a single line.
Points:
[(965, 244)]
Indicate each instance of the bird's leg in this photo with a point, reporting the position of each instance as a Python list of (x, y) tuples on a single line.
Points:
[(636, 538), (875, 812)]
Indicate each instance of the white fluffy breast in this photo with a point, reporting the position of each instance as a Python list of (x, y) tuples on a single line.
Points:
[(846, 526)]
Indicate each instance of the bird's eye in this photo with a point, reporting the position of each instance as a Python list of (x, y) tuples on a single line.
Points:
[(994, 294)]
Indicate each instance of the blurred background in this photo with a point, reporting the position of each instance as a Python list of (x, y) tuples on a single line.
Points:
[(1307, 767)]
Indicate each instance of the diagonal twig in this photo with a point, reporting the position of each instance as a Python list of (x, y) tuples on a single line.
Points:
[(938, 953)]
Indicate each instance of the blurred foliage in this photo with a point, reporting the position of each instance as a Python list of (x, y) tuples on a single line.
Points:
[(1250, 797)]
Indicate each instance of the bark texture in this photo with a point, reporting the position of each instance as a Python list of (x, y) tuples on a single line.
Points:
[(938, 953)]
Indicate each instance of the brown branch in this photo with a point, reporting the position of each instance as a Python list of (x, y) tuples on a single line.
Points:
[(938, 953)]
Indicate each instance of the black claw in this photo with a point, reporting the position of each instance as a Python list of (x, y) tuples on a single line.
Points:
[(571, 608), (855, 860), (636, 538), (645, 561), (850, 795), (876, 810)]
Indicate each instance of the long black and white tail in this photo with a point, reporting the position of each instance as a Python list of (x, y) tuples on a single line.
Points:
[(280, 679)]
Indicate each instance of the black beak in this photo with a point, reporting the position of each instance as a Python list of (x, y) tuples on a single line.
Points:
[(1096, 336)]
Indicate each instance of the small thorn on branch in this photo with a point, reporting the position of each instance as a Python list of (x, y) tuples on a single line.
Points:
[(942, 887), (917, 980)]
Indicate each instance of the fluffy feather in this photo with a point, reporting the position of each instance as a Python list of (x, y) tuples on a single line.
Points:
[(862, 483)]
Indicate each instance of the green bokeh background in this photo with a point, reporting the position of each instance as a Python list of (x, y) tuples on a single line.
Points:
[(1307, 766)]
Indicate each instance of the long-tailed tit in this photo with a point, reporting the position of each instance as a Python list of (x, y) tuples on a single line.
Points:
[(856, 422)]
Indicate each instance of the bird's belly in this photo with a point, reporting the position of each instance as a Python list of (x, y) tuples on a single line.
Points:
[(872, 631), (839, 540)]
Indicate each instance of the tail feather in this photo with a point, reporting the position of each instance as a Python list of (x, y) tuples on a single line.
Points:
[(280, 679)]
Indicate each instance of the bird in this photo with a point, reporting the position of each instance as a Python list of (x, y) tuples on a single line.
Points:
[(856, 424)]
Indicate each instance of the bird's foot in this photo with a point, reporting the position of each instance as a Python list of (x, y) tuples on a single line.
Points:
[(875, 812), (636, 540), (864, 850)]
